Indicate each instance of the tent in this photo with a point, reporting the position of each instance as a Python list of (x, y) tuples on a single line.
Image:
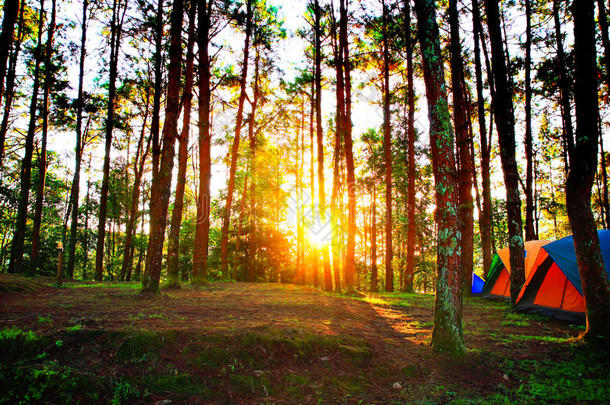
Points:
[(553, 288), (477, 284), (497, 284)]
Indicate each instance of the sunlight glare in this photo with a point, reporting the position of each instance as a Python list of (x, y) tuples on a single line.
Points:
[(320, 236)]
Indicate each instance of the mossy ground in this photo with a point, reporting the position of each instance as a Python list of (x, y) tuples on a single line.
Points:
[(271, 343)]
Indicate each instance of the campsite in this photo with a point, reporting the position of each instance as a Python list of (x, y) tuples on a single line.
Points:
[(304, 202)]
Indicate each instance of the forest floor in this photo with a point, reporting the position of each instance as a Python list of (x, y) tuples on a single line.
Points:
[(247, 343)]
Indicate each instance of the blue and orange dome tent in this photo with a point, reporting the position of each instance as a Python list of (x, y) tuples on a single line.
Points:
[(553, 288), (497, 284)]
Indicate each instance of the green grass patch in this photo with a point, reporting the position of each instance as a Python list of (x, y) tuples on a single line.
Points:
[(581, 377), (45, 319), (548, 339), (124, 286), (13, 333), (180, 383), (510, 322)]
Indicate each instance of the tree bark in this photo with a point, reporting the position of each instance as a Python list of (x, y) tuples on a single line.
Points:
[(374, 275), (505, 125), (530, 230), (42, 156), (595, 286), (161, 183), (337, 240), (300, 271), (16, 264), (408, 285), (312, 218), (337, 154), (10, 83), (224, 238), (447, 331), (78, 152), (10, 11), (202, 231), (158, 58), (173, 249), (252, 245), (86, 233), (387, 153), (603, 24), (139, 163), (328, 283), (115, 45), (350, 253), (461, 121), (485, 147), (564, 88), (604, 201)]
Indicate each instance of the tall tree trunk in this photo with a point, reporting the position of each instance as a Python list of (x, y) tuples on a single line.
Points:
[(605, 202), (530, 230), (314, 251), (334, 199), (300, 276), (139, 163), (42, 156), (10, 11), (603, 24), (328, 283), (505, 125), (485, 223), (16, 264), (173, 248), (224, 238), (564, 87), (162, 180), (374, 275), (252, 245), (338, 152), (202, 231), (447, 331), (595, 286), (86, 233), (408, 285), (158, 59), (387, 153), (118, 13), (10, 82), (350, 253), (141, 251), (78, 155), (461, 121)]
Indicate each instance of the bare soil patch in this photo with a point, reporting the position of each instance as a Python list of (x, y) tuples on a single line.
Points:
[(269, 343)]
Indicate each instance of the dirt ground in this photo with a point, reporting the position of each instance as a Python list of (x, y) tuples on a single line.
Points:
[(393, 360)]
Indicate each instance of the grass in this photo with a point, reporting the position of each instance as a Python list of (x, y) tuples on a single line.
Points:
[(127, 286), (264, 343), (547, 339), (580, 377)]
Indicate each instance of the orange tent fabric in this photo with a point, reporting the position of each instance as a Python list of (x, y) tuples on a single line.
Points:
[(498, 279)]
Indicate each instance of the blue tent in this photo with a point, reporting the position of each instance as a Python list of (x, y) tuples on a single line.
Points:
[(477, 284), (563, 253), (553, 287)]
